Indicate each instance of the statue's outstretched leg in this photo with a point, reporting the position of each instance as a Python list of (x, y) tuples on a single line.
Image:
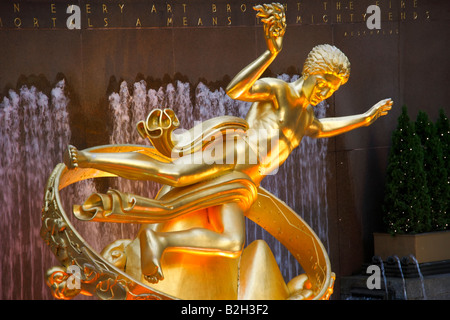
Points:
[(227, 240), (180, 172)]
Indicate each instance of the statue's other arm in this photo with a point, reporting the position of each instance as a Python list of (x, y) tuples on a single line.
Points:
[(245, 85), (329, 127)]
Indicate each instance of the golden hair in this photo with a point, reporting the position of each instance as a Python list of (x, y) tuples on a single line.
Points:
[(325, 59)]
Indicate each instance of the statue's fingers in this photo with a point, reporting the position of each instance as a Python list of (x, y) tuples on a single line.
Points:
[(274, 33), (385, 109), (267, 31), (280, 30)]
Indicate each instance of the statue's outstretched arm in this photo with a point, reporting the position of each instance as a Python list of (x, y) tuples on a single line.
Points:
[(245, 86), (329, 127)]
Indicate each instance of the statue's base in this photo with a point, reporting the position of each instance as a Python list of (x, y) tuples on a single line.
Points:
[(217, 278)]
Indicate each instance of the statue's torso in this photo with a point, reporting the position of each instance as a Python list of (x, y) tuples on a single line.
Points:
[(284, 121)]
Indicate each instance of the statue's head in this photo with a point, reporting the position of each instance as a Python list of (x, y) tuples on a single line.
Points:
[(326, 68)]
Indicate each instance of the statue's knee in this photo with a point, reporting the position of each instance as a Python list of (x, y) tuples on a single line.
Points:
[(236, 243)]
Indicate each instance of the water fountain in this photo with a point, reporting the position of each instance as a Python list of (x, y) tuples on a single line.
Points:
[(34, 129), (396, 258), (413, 258), (383, 273)]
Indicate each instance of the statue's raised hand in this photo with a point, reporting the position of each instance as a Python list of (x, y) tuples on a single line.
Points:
[(378, 110), (274, 19)]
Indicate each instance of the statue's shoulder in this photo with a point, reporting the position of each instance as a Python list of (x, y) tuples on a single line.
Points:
[(275, 83), (272, 80)]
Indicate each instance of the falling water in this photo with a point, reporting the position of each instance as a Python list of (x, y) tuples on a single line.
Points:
[(34, 132), (420, 275), (402, 276), (300, 182), (383, 273), (34, 129)]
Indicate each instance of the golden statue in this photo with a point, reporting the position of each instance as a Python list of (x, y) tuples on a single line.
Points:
[(191, 241)]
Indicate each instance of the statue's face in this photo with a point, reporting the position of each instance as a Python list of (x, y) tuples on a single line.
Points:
[(318, 87)]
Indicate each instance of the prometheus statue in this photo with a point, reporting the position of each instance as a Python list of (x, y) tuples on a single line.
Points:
[(211, 176)]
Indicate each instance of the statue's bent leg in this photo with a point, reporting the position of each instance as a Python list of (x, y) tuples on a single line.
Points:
[(115, 206), (227, 239)]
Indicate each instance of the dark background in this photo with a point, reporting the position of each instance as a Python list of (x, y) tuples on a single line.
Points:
[(407, 60)]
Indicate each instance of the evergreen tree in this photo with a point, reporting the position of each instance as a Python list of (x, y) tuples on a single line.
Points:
[(406, 201), (435, 170), (443, 132)]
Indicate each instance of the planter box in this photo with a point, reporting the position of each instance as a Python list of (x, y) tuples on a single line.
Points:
[(426, 247)]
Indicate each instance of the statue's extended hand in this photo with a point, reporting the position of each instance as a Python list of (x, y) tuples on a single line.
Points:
[(274, 20), (378, 110)]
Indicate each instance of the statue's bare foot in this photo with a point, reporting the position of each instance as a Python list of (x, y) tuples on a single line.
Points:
[(70, 157), (151, 252), (300, 288), (73, 157)]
